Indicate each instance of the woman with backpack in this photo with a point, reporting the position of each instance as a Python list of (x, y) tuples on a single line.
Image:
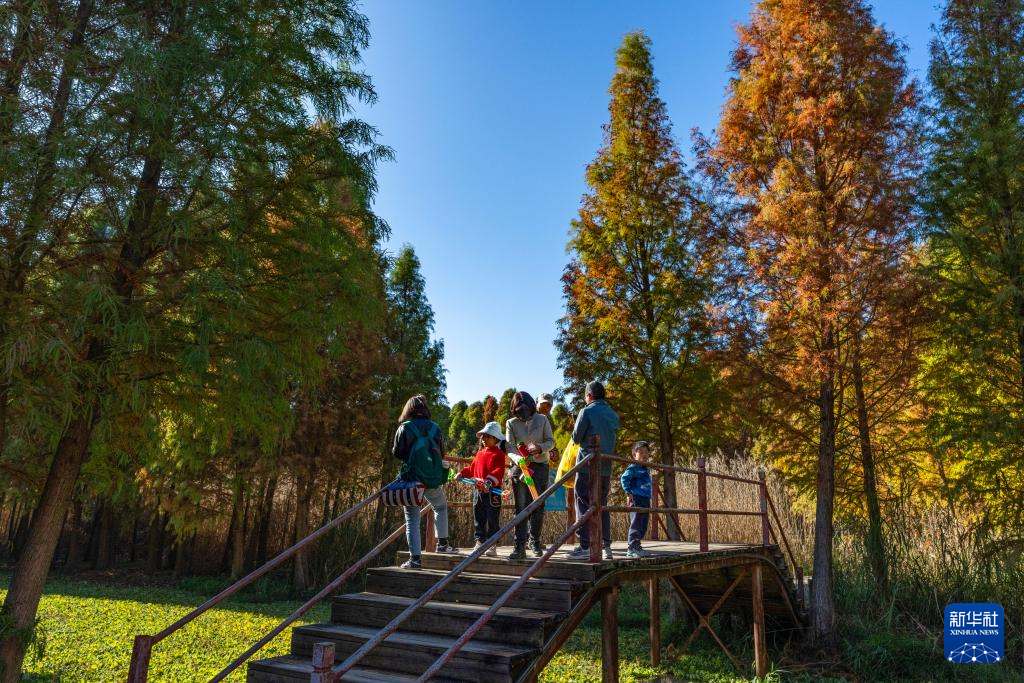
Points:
[(419, 446)]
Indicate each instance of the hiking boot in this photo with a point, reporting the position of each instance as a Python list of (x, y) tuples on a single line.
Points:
[(518, 553), (578, 553), (412, 563), (537, 549), (608, 553)]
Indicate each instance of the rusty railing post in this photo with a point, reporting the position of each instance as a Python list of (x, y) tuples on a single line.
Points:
[(702, 503), (431, 541), (757, 600), (762, 489), (594, 467), (654, 625), (655, 536), (610, 635), (323, 663), (142, 649), (570, 507)]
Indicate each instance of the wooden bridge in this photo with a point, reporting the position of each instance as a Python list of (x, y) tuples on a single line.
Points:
[(471, 617)]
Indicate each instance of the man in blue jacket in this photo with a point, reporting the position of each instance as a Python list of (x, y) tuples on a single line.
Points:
[(596, 418)]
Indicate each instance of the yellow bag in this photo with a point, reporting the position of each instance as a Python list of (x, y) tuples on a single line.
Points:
[(568, 461)]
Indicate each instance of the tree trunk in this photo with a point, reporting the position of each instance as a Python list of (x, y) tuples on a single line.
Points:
[(875, 546), (238, 528), (155, 541), (74, 557), (822, 595), (668, 477), (300, 573), (182, 557), (266, 510), (33, 564), (107, 537)]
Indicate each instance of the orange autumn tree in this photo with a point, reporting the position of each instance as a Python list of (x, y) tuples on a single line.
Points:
[(816, 149)]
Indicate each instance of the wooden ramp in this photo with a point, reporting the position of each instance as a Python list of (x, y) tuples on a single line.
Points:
[(523, 636)]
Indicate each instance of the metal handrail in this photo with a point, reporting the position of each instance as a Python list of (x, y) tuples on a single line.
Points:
[(138, 670), (505, 597), (392, 626), (798, 571), (309, 604)]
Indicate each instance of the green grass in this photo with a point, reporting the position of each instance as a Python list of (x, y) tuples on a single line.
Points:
[(87, 629)]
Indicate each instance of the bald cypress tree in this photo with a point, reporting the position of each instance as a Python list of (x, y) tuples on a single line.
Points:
[(974, 369), (636, 287), (198, 200)]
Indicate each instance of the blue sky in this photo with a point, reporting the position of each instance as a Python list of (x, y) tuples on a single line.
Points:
[(494, 109)]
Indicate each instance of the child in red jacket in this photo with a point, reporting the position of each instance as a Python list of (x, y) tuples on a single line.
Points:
[(488, 469)]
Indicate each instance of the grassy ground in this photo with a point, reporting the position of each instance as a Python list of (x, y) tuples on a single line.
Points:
[(87, 629)]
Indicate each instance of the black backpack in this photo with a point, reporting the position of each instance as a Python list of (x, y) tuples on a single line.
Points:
[(425, 462)]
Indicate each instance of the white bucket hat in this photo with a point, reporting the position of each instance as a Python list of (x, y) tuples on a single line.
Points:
[(493, 429)]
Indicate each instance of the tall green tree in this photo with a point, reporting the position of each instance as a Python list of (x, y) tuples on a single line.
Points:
[(974, 370), (638, 281), (208, 251), (418, 357), (817, 140)]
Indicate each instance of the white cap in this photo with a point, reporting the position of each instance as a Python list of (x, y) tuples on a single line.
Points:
[(493, 429), (546, 398)]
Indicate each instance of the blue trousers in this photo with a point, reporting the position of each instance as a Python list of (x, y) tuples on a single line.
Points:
[(638, 522)]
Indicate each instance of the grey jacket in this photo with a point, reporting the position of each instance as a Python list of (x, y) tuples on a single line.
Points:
[(599, 419), (535, 430)]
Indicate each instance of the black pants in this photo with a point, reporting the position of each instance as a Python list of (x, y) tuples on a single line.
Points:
[(486, 508), (638, 522), (534, 524), (582, 491)]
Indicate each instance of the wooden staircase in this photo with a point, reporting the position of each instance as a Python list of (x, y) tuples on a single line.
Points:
[(508, 646)]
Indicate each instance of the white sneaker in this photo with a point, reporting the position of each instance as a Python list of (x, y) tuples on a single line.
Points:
[(608, 553), (478, 546), (492, 551)]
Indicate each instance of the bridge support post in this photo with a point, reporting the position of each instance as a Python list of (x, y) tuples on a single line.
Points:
[(655, 536), (760, 649), (762, 490), (431, 543), (654, 596), (610, 635), (702, 504), (142, 648), (594, 468), (323, 663)]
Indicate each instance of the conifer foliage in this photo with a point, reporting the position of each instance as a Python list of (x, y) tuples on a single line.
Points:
[(637, 285), (818, 144)]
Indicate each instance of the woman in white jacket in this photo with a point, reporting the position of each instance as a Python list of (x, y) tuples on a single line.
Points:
[(533, 429)]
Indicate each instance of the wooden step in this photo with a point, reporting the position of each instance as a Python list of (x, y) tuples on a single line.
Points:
[(551, 595), (511, 625), (555, 568), (292, 669), (412, 653)]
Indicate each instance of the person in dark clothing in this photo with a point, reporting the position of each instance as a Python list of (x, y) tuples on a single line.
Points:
[(415, 423), (636, 482), (533, 429), (596, 418)]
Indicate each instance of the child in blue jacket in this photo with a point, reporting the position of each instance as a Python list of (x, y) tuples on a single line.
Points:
[(636, 482)]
